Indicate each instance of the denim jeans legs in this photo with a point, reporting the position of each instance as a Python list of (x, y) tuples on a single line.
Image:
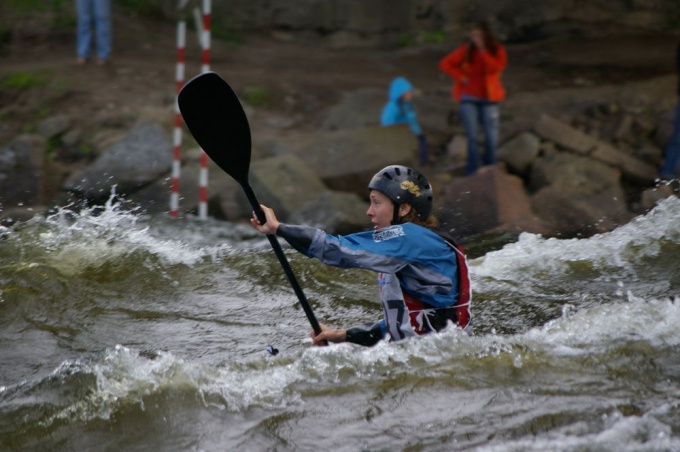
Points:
[(474, 113), (671, 156), (97, 14)]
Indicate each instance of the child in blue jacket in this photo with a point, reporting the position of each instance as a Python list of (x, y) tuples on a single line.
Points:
[(399, 110)]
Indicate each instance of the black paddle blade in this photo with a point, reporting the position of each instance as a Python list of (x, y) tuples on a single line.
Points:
[(215, 117)]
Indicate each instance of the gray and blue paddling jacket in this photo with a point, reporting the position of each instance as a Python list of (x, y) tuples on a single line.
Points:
[(422, 276)]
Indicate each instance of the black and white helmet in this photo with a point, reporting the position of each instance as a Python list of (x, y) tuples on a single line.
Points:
[(404, 185)]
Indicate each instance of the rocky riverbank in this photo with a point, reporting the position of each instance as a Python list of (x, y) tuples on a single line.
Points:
[(582, 131)]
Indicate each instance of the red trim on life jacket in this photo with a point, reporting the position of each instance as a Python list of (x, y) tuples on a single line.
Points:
[(462, 305), (415, 306)]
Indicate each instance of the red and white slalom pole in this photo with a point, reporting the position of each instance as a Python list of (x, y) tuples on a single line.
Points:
[(205, 67), (177, 132), (207, 20)]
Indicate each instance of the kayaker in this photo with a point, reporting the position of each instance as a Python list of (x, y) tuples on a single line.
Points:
[(422, 274)]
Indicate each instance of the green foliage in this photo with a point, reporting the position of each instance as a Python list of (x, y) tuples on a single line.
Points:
[(27, 7), (421, 37), (53, 14), (226, 34), (258, 96), (21, 80), (404, 40), (53, 146), (44, 112), (145, 8), (4, 37), (432, 36)]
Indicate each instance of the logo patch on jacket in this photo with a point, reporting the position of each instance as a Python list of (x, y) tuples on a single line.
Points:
[(388, 233)]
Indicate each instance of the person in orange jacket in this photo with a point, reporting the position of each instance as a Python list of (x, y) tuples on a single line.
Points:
[(476, 67)]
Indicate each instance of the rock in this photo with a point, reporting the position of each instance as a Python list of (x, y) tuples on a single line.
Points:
[(27, 176), (361, 108), (9, 217), (53, 126), (665, 128), (571, 215), (574, 140), (285, 183), (433, 111), (488, 201), (520, 152), (564, 135), (72, 137), (226, 199), (138, 159), (651, 197), (630, 166), (572, 173), (334, 212), (457, 148), (624, 130), (345, 160), (577, 194)]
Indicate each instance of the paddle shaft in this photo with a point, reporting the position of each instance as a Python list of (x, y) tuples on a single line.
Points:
[(282, 259)]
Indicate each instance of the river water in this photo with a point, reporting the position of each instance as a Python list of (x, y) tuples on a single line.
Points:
[(120, 332)]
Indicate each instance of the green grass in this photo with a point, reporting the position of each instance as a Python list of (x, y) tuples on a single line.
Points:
[(258, 96), (35, 6), (145, 8), (421, 37), (226, 34), (21, 80)]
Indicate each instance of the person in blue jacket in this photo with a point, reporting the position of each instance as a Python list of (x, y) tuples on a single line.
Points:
[(671, 157), (399, 110), (422, 274)]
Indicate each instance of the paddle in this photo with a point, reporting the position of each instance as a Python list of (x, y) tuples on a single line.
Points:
[(215, 117)]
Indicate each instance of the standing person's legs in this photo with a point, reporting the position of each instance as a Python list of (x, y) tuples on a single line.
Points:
[(83, 29), (671, 156), (468, 115), (102, 15), (489, 118)]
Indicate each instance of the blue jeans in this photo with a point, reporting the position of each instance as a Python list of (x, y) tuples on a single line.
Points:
[(97, 13), (671, 156), (474, 112)]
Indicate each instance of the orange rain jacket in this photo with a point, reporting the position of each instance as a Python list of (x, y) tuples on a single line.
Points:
[(483, 73)]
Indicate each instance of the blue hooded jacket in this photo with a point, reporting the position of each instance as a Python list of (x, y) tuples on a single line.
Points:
[(400, 112)]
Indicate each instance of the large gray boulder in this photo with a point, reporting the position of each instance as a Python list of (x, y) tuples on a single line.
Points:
[(564, 135), (136, 160), (576, 141), (226, 198), (577, 195), (285, 183), (334, 212), (517, 20), (356, 109), (519, 153), (53, 126), (27, 176), (489, 201), (345, 160)]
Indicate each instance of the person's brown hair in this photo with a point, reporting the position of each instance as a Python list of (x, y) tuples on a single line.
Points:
[(430, 222), (490, 40)]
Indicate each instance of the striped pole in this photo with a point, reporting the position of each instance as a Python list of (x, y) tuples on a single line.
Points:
[(205, 67), (206, 35), (177, 132)]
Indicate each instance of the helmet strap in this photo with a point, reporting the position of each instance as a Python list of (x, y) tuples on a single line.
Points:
[(395, 215)]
